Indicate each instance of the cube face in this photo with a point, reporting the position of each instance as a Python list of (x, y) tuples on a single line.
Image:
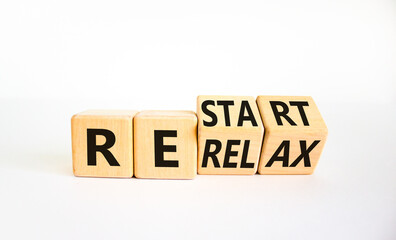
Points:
[(166, 144), (295, 135), (102, 143), (230, 133)]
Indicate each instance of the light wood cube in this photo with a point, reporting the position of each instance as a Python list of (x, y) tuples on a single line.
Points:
[(230, 133), (295, 135), (102, 143), (165, 144)]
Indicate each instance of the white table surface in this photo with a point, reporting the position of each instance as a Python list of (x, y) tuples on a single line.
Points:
[(351, 195)]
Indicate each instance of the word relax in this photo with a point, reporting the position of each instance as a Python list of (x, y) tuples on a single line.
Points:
[(227, 135)]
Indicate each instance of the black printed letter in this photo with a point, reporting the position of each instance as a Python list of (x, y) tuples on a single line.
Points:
[(244, 164), (300, 106), (92, 148), (229, 153), (278, 114), (160, 148), (285, 146), (250, 116), (225, 105), (208, 154), (305, 153), (209, 113)]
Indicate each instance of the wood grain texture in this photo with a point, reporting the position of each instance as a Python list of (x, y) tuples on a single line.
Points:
[(119, 122), (229, 134), (296, 134), (184, 125)]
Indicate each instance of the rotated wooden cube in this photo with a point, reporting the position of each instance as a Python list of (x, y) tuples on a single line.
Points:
[(102, 143), (165, 144), (295, 135), (230, 134)]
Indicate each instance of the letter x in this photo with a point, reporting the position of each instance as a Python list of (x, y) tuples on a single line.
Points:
[(305, 153)]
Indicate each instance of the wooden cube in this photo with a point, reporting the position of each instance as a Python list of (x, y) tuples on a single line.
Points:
[(230, 134), (102, 143), (295, 134), (165, 144)]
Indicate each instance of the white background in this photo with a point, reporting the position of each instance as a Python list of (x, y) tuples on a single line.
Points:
[(58, 58)]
